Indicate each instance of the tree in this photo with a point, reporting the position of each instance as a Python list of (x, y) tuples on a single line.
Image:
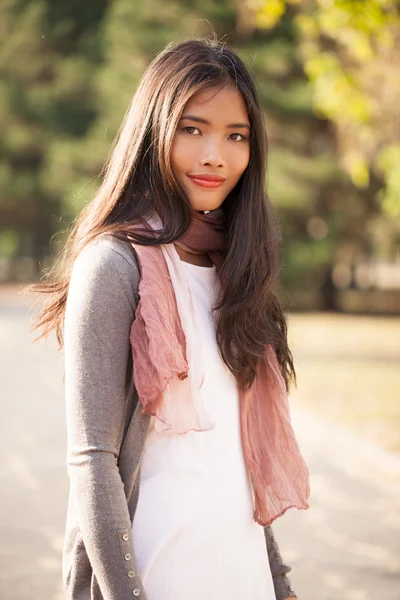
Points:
[(47, 58), (351, 53)]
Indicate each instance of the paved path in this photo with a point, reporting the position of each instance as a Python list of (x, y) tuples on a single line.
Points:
[(346, 546)]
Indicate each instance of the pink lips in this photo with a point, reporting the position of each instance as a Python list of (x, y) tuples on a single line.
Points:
[(208, 181)]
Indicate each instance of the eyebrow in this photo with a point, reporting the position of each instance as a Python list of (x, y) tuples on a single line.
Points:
[(201, 120)]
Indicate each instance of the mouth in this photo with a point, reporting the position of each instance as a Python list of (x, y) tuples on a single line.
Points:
[(207, 181)]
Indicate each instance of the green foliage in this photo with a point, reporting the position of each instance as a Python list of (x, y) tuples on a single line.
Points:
[(8, 243), (389, 162), (351, 54), (48, 57), (269, 13), (327, 74)]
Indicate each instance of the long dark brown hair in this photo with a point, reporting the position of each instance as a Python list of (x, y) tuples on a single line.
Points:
[(138, 179)]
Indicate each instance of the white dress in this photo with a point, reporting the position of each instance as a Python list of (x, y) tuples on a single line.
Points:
[(193, 530)]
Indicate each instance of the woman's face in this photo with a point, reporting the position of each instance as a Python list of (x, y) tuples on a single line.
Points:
[(212, 138)]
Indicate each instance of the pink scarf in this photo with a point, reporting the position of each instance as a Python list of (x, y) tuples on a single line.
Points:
[(168, 373)]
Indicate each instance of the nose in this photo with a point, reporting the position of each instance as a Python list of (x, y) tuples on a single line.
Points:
[(212, 154)]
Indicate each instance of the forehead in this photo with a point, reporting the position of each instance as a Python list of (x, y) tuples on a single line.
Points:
[(226, 103)]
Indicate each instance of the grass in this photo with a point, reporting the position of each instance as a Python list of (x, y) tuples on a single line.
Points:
[(348, 370)]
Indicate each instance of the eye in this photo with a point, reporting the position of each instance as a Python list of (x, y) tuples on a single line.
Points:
[(243, 137), (189, 127)]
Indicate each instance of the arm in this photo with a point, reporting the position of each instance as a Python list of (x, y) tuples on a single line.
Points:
[(99, 313), (279, 570)]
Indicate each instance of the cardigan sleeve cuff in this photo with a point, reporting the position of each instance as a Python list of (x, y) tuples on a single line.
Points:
[(279, 570), (283, 587)]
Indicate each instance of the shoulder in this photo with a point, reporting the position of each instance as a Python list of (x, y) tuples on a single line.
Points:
[(109, 251), (107, 267)]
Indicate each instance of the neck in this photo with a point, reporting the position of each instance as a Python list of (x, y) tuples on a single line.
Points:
[(194, 258)]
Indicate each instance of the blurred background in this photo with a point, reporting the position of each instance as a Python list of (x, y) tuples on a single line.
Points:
[(328, 73)]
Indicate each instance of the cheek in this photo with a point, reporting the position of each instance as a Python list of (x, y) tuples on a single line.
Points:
[(180, 155), (240, 161)]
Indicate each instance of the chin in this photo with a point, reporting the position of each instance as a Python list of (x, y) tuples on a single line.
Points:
[(206, 206)]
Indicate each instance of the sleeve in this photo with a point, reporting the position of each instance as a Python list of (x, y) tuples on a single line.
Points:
[(279, 570), (99, 312)]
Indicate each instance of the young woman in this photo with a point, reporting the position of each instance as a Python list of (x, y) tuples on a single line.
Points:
[(180, 449)]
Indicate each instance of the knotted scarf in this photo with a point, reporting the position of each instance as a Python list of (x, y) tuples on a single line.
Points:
[(168, 373)]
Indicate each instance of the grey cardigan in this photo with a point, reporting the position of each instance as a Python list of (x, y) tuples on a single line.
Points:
[(106, 430)]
